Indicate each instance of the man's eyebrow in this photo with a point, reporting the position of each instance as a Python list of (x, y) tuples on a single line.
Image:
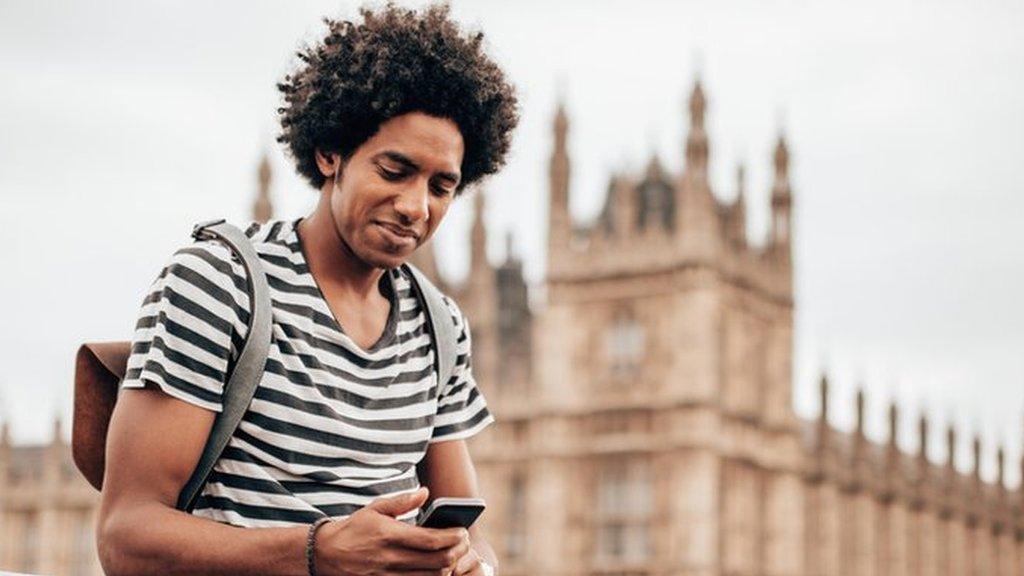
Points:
[(400, 158), (407, 162)]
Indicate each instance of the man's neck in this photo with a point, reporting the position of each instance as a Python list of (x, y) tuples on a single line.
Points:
[(331, 262)]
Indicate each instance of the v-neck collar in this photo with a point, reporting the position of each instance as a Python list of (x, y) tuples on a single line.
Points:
[(387, 286)]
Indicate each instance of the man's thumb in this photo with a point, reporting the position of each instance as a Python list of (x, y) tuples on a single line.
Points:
[(395, 506)]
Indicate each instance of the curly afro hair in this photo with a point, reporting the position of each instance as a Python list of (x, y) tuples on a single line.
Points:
[(396, 61)]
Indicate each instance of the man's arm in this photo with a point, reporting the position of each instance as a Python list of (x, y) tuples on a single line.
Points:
[(154, 444), (447, 470)]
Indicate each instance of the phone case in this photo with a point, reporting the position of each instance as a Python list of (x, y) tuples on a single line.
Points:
[(452, 513)]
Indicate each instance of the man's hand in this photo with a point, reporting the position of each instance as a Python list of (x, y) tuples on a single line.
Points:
[(373, 542)]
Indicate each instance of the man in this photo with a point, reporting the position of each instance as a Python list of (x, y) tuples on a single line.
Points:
[(389, 119)]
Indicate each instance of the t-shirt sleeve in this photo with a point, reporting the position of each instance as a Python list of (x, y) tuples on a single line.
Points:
[(191, 326), (461, 408)]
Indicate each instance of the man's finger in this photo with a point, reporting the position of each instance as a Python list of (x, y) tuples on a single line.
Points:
[(405, 559), (395, 506), (427, 539)]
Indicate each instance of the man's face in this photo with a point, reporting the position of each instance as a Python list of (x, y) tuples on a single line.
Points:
[(396, 187)]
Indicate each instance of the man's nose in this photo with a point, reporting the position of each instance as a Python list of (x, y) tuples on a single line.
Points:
[(412, 204)]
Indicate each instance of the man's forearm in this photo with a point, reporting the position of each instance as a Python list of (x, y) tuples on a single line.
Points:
[(152, 538)]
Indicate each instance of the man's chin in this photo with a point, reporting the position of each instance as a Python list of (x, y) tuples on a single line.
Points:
[(387, 260)]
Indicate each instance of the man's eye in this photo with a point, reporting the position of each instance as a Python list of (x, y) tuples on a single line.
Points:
[(389, 174), (441, 190)]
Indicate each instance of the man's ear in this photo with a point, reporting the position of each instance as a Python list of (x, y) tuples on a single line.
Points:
[(329, 163)]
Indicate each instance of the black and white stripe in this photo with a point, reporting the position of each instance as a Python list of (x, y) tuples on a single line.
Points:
[(331, 426)]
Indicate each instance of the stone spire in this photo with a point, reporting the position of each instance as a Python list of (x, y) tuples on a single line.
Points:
[(894, 423), (860, 441), (823, 430), (860, 413), (700, 234), (823, 399), (654, 168), (976, 452), (510, 244), (922, 436), (479, 298), (782, 201), (263, 208), (780, 186), (58, 429), (5, 433), (697, 139), (737, 225), (1001, 468), (478, 237), (892, 453), (559, 220), (951, 446)]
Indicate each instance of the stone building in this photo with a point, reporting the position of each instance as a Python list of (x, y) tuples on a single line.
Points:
[(654, 432), (645, 423), (47, 509)]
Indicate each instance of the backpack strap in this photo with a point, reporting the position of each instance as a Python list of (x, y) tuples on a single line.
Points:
[(248, 370), (442, 325)]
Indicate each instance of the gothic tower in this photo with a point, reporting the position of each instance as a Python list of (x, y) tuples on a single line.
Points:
[(263, 208), (478, 299), (661, 312), (559, 221), (782, 200)]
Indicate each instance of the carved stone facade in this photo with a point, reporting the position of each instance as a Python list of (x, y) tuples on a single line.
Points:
[(644, 415), (655, 434)]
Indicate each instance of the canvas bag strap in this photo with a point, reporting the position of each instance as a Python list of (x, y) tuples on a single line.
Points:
[(442, 325), (248, 370)]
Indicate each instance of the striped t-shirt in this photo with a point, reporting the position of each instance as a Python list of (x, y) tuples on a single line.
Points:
[(331, 426)]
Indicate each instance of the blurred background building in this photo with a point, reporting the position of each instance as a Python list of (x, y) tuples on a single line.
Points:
[(47, 509), (644, 411)]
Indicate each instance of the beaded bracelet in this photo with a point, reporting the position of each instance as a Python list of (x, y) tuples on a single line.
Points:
[(311, 544)]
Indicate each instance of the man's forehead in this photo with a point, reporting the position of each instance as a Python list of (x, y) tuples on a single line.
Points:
[(427, 141)]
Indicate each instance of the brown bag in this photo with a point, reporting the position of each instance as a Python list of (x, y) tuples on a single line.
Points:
[(99, 369)]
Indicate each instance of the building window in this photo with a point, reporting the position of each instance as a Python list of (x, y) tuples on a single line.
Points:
[(625, 345), (515, 536), (623, 512)]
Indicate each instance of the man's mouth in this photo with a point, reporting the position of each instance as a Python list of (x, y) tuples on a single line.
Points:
[(398, 234)]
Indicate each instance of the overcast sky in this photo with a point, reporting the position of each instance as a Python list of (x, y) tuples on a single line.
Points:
[(125, 122)]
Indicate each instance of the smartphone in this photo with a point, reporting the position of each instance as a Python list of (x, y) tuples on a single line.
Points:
[(451, 513)]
